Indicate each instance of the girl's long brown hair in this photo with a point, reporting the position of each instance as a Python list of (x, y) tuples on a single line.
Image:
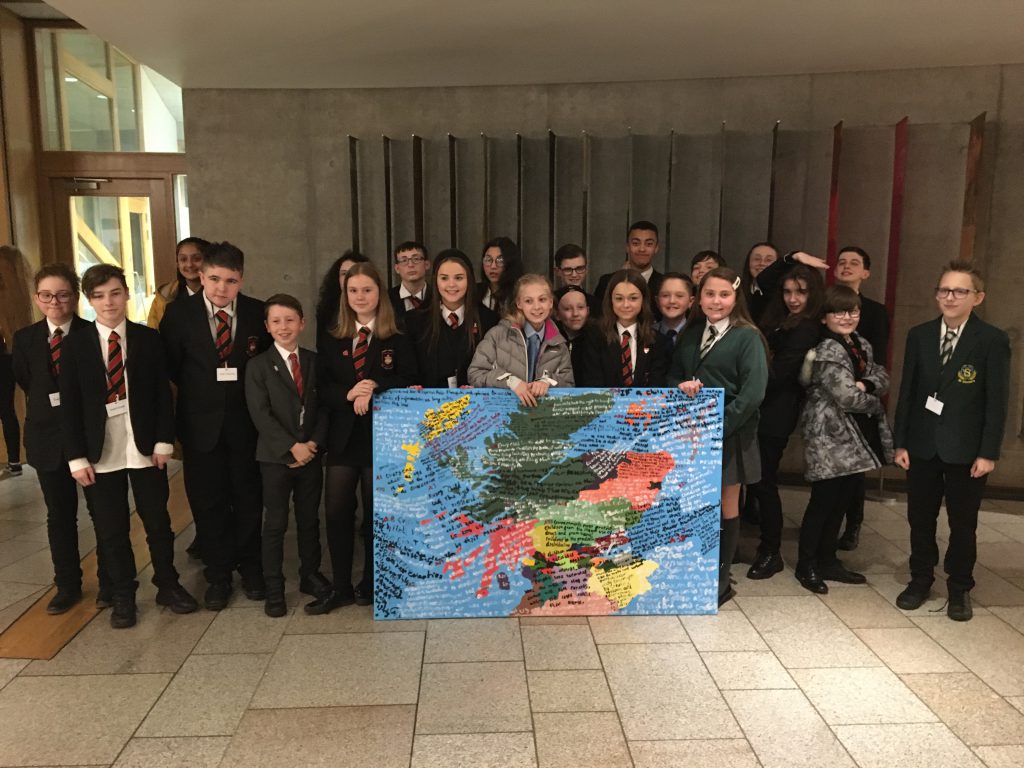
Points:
[(740, 315), (470, 306), (385, 326), (645, 320)]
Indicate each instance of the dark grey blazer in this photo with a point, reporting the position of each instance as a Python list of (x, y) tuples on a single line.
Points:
[(275, 407)]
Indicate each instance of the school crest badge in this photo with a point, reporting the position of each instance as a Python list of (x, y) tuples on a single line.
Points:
[(387, 359), (252, 345), (967, 374)]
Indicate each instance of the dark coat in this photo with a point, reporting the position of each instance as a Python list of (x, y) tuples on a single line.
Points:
[(451, 355), (784, 394), (83, 392), (390, 363), (398, 303), (44, 445), (275, 406), (601, 362), (874, 327), (973, 386), (207, 407)]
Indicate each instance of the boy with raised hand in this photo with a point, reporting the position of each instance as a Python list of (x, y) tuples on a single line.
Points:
[(118, 427), (950, 420)]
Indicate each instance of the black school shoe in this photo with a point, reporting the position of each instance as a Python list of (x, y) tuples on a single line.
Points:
[(15, 469), (275, 605), (959, 606), (63, 601), (315, 585), (850, 540), (838, 572), (123, 611), (217, 595), (254, 588), (766, 565), (177, 598), (364, 595), (913, 596), (104, 598), (811, 580), (328, 602)]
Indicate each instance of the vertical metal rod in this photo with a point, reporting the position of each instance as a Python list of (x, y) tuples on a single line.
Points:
[(486, 233), (585, 212), (353, 181), (519, 191), (629, 179), (771, 183), (892, 262), (552, 196), (832, 243), (453, 192), (721, 187), (417, 186), (667, 247), (969, 227), (388, 202)]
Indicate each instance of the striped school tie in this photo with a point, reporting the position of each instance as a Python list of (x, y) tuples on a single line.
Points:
[(223, 342), (55, 343), (947, 346), (706, 347), (115, 369), (627, 361), (415, 301), (359, 354)]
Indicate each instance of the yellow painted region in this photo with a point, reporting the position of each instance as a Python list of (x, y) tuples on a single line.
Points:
[(444, 418), (399, 489), (622, 584), (546, 541), (412, 452)]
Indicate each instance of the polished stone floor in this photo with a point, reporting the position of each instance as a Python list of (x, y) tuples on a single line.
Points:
[(779, 678)]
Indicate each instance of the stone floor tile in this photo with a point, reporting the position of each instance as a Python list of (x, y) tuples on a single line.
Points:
[(160, 642), (861, 696), (12, 592), (785, 731), (696, 753), (36, 568), (9, 669), (724, 632), (577, 690), (1012, 529), (906, 745), (637, 629), (351, 618), (342, 670), (1017, 702), (663, 691), (1002, 757), (991, 589), (860, 608), (339, 737), (875, 554), (803, 632), (560, 647), (780, 584), (202, 752), (1012, 615), (473, 640), (207, 697), (473, 697), (597, 735), (474, 750), (15, 550), (1004, 558), (972, 710), (25, 530), (97, 715), (12, 613), (242, 630), (991, 649), (909, 650), (746, 670), (540, 621)]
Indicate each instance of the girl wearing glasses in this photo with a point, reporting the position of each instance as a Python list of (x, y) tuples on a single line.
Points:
[(502, 266), (845, 434)]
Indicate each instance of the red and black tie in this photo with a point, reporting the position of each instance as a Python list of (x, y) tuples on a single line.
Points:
[(453, 320), (55, 342), (223, 342), (627, 361), (359, 355), (415, 301), (115, 369), (293, 362)]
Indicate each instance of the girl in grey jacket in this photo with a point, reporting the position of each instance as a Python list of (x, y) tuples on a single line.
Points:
[(525, 351), (845, 434)]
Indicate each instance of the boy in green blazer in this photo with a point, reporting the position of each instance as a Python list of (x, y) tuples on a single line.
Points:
[(949, 427)]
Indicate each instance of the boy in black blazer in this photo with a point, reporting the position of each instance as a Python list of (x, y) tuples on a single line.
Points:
[(37, 353), (209, 338), (411, 265), (949, 428), (281, 391), (118, 426)]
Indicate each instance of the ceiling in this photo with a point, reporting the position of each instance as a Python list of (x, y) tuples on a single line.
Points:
[(399, 43)]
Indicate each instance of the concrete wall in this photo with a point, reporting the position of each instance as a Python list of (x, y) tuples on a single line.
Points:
[(269, 169)]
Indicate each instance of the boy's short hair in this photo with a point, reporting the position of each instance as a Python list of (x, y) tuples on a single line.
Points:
[(968, 268), (704, 255), (282, 300), (224, 255), (100, 274), (679, 276), (840, 298), (411, 245), (647, 226), (568, 251), (57, 269), (860, 252)]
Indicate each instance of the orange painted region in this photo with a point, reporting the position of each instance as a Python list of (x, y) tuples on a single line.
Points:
[(638, 478)]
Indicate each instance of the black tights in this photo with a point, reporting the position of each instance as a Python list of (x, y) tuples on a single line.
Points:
[(340, 509)]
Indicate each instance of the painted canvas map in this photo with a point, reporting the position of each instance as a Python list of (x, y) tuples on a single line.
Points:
[(596, 502)]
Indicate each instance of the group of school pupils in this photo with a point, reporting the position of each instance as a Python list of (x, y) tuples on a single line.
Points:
[(265, 424)]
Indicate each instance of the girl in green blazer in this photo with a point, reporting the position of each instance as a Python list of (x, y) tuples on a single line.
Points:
[(721, 347)]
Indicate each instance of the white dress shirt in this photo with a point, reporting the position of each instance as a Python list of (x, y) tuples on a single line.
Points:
[(405, 295), (65, 329), (284, 356), (211, 312), (459, 313), (958, 331)]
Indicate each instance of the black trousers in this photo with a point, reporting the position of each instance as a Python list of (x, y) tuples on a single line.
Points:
[(282, 484), (8, 416), (108, 503), (766, 491), (819, 531), (224, 492), (928, 481), (60, 493), (855, 510), (340, 509)]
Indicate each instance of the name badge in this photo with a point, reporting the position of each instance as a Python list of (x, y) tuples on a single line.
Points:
[(934, 405), (453, 382), (116, 408), (227, 374), (54, 399)]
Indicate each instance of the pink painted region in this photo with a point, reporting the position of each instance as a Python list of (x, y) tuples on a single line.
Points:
[(638, 478), (507, 542)]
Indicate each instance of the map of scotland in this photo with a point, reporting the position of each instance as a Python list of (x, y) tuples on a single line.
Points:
[(596, 502)]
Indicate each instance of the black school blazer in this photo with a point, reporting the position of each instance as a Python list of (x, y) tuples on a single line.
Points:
[(44, 445), (601, 362), (451, 355), (390, 362), (83, 392)]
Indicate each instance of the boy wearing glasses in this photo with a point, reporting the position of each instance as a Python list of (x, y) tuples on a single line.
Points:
[(949, 427), (571, 268), (411, 266)]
